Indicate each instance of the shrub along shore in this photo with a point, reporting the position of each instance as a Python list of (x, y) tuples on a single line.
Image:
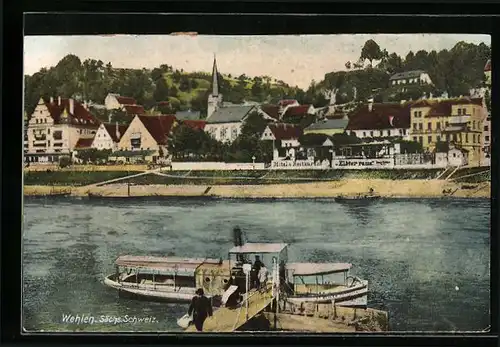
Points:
[(264, 183)]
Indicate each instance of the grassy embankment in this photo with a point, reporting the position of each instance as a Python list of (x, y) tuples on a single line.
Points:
[(82, 178)]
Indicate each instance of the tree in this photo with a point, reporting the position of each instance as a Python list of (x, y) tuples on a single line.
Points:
[(185, 141), (348, 65), (93, 155), (487, 100), (65, 161), (371, 51), (254, 125), (161, 92)]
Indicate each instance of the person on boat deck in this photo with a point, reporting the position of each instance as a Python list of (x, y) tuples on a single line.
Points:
[(262, 276), (201, 308), (257, 265)]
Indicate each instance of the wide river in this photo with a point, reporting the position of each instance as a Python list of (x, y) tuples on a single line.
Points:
[(427, 261)]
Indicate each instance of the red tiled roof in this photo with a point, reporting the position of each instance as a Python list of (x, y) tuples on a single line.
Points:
[(84, 143), (487, 67), (125, 100), (380, 117), (111, 129), (195, 124), (283, 131), (134, 109), (286, 102), (158, 126), (271, 110), (296, 110), (80, 115)]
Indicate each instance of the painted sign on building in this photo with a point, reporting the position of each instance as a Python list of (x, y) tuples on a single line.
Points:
[(298, 164), (362, 163)]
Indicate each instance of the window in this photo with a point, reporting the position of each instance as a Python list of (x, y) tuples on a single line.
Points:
[(486, 138), (466, 137), (473, 125), (429, 126), (429, 139), (464, 111), (473, 138), (414, 139), (371, 133), (404, 131), (388, 133), (485, 128), (381, 133), (48, 143), (478, 138), (420, 114), (414, 126), (420, 126), (438, 138), (223, 133), (447, 124), (421, 139), (459, 111), (48, 131), (364, 133), (415, 113)]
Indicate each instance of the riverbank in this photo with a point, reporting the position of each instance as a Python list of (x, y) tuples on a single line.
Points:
[(329, 189)]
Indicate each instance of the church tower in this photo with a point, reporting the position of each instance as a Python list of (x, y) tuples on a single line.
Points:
[(214, 99)]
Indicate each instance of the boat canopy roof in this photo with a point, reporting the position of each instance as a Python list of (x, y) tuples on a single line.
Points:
[(164, 265), (258, 248), (312, 269)]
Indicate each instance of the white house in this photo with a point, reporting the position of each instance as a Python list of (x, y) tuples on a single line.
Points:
[(285, 139), (108, 136), (225, 123), (410, 77), (55, 127), (116, 102), (458, 157)]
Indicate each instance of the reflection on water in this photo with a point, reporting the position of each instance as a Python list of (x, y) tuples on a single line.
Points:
[(414, 253)]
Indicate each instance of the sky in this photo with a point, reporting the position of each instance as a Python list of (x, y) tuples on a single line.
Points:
[(295, 59)]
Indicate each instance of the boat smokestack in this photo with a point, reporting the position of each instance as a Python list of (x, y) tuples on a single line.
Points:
[(238, 242), (238, 236)]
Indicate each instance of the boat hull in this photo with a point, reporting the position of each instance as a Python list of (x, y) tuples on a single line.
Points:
[(356, 296), (151, 292), (356, 198)]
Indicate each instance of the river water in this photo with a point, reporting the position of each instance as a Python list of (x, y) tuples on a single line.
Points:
[(427, 261)]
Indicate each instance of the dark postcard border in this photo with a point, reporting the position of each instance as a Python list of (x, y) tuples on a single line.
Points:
[(264, 24)]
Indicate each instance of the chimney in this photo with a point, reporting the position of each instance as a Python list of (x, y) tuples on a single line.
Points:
[(117, 131), (370, 104), (71, 106), (59, 100), (51, 99)]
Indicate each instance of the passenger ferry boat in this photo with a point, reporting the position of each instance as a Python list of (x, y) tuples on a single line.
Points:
[(176, 279)]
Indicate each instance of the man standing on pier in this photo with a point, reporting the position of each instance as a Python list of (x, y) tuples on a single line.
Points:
[(201, 308)]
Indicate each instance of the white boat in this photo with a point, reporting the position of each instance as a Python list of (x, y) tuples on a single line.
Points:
[(174, 278), (324, 283), (170, 278)]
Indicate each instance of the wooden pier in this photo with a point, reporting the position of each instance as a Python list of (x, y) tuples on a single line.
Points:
[(228, 320)]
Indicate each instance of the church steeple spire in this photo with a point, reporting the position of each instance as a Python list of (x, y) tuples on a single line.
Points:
[(215, 83)]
